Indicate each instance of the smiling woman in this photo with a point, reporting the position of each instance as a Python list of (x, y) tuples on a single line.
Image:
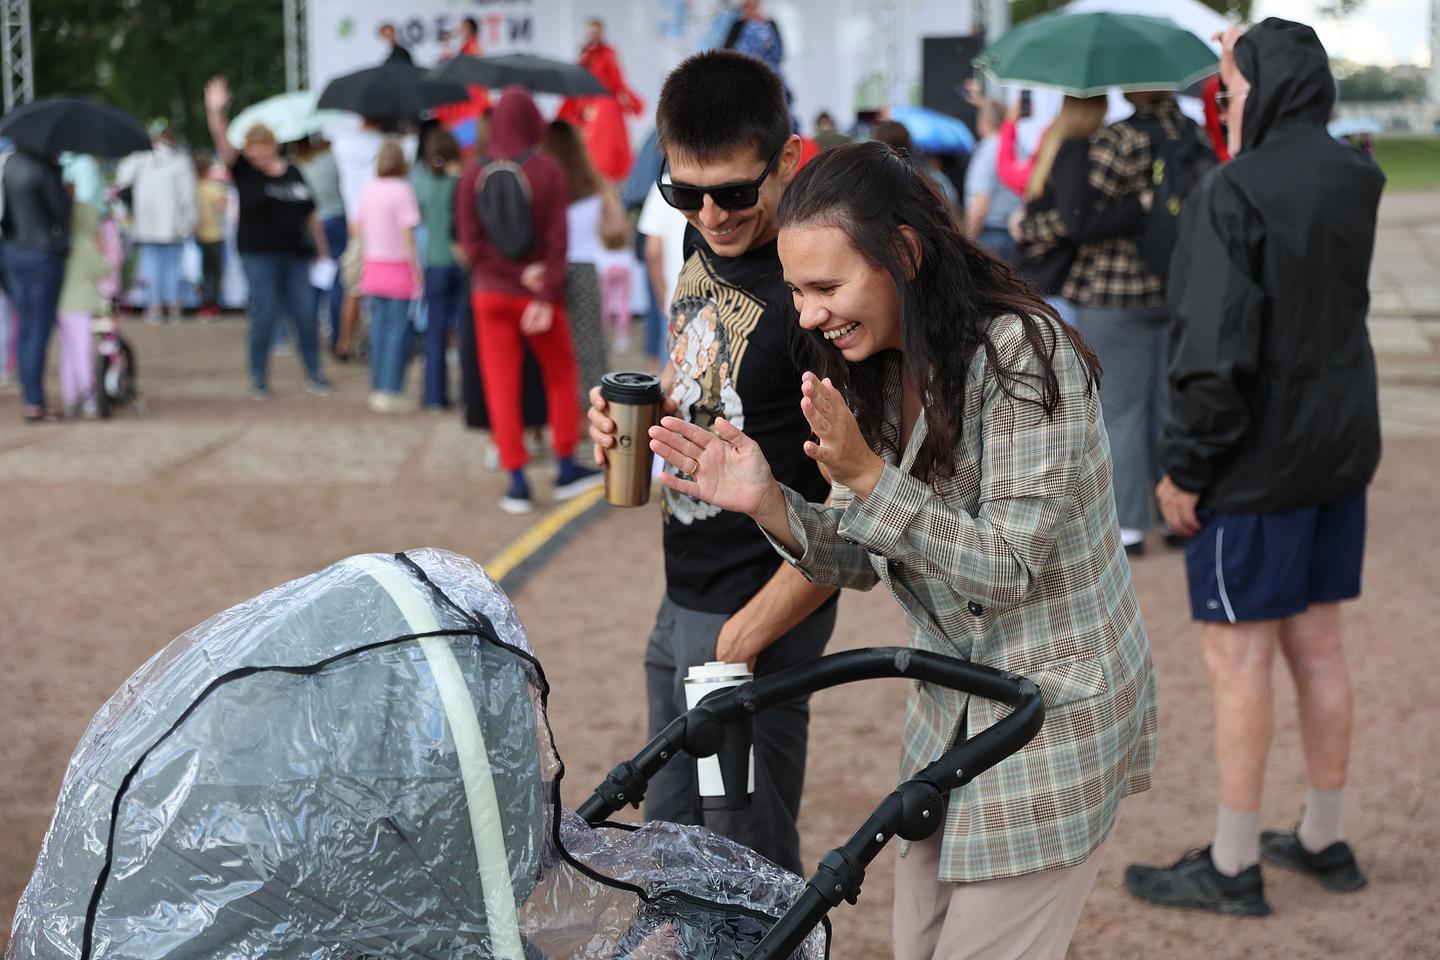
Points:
[(960, 422)]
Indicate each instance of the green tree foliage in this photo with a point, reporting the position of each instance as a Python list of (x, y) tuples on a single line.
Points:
[(152, 57), (1360, 84)]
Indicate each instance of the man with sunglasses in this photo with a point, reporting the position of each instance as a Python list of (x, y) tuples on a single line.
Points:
[(724, 130)]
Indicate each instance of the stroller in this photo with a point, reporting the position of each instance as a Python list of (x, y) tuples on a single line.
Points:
[(358, 764)]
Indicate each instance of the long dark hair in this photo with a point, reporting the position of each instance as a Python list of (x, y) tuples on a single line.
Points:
[(947, 301), (562, 141), (441, 149)]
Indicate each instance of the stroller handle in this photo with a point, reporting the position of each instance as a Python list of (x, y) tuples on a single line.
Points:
[(912, 811)]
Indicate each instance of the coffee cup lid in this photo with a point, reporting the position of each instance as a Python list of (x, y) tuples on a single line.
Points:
[(631, 386), (716, 670)]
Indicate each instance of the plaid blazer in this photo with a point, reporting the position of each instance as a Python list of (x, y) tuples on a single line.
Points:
[(1014, 562)]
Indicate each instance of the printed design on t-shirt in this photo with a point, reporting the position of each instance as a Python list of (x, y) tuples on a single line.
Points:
[(287, 191), (711, 322)]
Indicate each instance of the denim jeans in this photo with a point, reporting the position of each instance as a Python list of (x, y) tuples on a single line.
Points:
[(390, 343), (280, 283), (160, 267), (446, 289), (34, 280), (999, 242), (1064, 307), (336, 236)]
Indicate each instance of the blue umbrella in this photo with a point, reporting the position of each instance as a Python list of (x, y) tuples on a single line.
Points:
[(1354, 126), (933, 131)]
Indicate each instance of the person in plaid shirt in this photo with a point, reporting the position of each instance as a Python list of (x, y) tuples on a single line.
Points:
[(1120, 304), (982, 501)]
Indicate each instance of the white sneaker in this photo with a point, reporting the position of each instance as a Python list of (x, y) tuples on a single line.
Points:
[(517, 505)]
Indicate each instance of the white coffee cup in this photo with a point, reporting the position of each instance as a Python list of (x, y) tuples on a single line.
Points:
[(702, 680)]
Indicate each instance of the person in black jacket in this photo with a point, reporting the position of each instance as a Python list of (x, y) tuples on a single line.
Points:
[(1273, 437), (36, 229)]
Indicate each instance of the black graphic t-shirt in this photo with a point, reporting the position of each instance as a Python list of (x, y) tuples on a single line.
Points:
[(273, 211), (731, 348)]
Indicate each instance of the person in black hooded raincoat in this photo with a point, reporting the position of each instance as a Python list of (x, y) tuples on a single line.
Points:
[(1273, 437)]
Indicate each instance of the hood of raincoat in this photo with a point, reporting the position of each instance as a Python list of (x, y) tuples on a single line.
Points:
[(516, 124), (1290, 79)]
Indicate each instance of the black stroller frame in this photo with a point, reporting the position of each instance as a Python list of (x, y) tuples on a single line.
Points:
[(722, 725)]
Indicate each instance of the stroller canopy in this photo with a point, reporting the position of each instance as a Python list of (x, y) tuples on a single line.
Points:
[(358, 764)]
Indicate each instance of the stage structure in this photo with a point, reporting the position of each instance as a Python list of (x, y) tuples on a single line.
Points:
[(16, 53), (840, 55)]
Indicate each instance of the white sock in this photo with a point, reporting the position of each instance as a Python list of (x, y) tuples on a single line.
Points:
[(1129, 537), (1237, 841), (1320, 826)]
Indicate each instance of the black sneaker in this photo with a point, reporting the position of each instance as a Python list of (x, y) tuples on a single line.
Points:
[(577, 482), (1194, 883), (1335, 866)]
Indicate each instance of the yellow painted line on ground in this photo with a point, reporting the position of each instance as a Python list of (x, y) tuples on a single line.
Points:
[(532, 540)]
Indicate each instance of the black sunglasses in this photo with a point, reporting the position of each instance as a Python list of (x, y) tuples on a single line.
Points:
[(727, 196)]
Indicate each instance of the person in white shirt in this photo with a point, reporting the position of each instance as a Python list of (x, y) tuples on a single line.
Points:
[(163, 216), (664, 229), (357, 150)]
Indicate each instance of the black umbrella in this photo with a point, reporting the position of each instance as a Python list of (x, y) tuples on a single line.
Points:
[(55, 124), (389, 90), (537, 74)]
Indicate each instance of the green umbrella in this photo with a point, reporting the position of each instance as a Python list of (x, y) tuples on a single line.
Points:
[(290, 116), (1085, 54)]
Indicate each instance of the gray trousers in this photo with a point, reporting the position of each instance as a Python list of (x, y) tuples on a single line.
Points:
[(683, 638), (1133, 346)]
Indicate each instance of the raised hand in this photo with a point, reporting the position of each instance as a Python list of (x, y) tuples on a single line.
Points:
[(842, 447), (726, 467), (217, 94)]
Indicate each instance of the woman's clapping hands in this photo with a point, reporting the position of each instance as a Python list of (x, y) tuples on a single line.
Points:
[(838, 445)]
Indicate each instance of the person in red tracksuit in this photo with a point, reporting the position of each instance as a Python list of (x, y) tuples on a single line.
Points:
[(524, 299)]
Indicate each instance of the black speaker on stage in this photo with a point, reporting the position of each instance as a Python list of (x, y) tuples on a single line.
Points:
[(945, 66)]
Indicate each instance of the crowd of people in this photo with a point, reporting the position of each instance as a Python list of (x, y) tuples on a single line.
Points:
[(1002, 387)]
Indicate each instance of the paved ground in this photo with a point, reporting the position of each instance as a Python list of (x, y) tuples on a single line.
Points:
[(118, 536)]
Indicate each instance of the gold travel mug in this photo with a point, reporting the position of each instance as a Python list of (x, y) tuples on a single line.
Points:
[(634, 400)]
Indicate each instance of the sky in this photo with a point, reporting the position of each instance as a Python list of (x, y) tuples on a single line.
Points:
[(1383, 32)]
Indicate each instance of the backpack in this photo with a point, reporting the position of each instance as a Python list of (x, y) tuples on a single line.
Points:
[(502, 199), (1177, 165)]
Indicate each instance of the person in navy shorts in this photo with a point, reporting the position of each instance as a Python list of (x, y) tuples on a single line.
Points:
[(1273, 437)]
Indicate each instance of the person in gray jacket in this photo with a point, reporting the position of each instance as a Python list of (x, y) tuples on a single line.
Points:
[(36, 228)]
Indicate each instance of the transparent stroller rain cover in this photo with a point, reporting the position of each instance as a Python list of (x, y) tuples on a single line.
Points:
[(358, 764)]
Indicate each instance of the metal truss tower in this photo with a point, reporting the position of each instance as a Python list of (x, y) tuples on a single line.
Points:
[(18, 58), (297, 44), (1435, 52)]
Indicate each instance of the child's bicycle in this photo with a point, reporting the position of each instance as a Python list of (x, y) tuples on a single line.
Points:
[(116, 370)]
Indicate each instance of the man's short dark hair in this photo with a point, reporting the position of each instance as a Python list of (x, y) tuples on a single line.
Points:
[(719, 102), (472, 23)]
